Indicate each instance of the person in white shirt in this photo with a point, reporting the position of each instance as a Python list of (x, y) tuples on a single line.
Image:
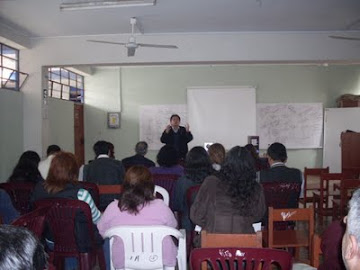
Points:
[(44, 165)]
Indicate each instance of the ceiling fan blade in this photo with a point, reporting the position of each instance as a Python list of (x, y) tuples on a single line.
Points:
[(345, 38), (107, 42), (157, 46), (131, 51)]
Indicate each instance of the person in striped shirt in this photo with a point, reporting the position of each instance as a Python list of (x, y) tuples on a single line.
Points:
[(62, 182)]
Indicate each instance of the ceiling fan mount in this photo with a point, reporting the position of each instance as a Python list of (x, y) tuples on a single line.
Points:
[(132, 45)]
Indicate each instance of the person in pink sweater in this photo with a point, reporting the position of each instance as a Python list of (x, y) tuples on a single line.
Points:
[(138, 206)]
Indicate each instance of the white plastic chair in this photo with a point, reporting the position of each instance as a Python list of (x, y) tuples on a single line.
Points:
[(144, 243), (163, 192)]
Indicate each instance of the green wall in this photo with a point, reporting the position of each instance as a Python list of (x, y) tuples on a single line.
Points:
[(167, 85), (11, 134)]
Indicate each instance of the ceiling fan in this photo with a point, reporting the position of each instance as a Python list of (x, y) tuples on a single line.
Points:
[(345, 37), (132, 45)]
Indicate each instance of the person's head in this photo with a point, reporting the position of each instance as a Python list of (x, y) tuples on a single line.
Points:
[(26, 170), (175, 120), (217, 153), (167, 156), (63, 170), (30, 156), (238, 174), (138, 189), (276, 153), (351, 238), (197, 164), (52, 149), (251, 148), (111, 150), (101, 148), (20, 249), (141, 148)]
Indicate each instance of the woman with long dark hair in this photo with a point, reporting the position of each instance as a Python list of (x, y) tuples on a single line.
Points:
[(231, 200), (197, 168), (138, 206), (26, 170)]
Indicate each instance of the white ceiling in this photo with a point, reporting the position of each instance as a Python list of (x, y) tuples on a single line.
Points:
[(43, 18)]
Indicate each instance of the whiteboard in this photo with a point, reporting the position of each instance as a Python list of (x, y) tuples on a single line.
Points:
[(296, 125), (155, 118), (336, 121), (221, 114)]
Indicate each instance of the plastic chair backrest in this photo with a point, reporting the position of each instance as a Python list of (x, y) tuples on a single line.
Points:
[(145, 244), (61, 219), (34, 221), (167, 181), (163, 192), (20, 194), (231, 258), (231, 240), (93, 190)]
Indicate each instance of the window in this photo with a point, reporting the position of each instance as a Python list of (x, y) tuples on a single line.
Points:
[(9, 67), (65, 84)]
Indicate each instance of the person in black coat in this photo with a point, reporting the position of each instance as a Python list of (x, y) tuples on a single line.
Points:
[(177, 136)]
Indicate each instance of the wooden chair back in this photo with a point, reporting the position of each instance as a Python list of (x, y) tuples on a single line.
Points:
[(351, 172), (110, 189), (311, 182), (316, 251), (347, 186), (291, 238), (231, 240), (321, 197)]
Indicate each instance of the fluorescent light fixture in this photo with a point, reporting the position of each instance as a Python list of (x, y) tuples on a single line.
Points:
[(105, 4)]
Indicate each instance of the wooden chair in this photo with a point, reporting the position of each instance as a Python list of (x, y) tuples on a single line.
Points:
[(20, 194), (281, 195), (110, 189), (321, 198), (291, 238), (316, 251), (234, 258), (347, 186), (311, 183), (231, 240), (351, 172)]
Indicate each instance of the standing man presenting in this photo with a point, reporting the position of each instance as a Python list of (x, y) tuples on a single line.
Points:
[(177, 136)]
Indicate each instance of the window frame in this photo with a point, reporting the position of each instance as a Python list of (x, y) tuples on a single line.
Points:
[(5, 80)]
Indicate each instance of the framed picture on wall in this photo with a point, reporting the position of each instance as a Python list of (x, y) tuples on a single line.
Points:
[(113, 119)]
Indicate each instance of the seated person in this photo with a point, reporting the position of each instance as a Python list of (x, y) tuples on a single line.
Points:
[(231, 200), (138, 206), (278, 172), (139, 158), (104, 171), (26, 170), (168, 162), (61, 182), (197, 168), (8, 213), (20, 249), (217, 155), (44, 165)]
